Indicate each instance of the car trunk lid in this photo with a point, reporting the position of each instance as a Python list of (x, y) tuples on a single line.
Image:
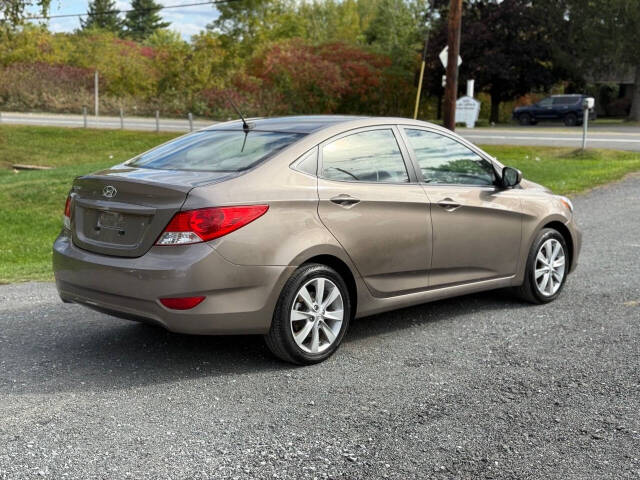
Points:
[(122, 211)]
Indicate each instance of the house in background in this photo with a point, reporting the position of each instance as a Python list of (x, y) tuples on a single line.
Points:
[(613, 91)]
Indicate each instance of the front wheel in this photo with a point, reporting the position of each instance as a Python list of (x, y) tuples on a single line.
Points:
[(311, 316), (525, 119), (547, 267), (571, 120)]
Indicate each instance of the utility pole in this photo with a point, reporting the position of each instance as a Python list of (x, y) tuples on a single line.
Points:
[(424, 61), (451, 89)]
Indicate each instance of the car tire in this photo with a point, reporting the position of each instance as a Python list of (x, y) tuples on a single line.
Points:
[(525, 119), (534, 289), (306, 329), (571, 120)]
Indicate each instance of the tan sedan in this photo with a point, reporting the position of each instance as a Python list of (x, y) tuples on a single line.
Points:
[(291, 227)]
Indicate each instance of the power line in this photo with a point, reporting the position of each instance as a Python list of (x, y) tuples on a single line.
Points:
[(108, 12)]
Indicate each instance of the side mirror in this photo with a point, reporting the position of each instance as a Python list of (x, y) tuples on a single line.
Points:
[(511, 177)]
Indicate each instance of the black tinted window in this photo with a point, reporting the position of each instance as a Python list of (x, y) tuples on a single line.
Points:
[(372, 156), (216, 150), (565, 100), (546, 102), (443, 160)]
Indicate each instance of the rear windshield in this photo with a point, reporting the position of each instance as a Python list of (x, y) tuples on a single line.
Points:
[(216, 150)]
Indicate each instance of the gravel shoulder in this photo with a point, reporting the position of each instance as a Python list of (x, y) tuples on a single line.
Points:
[(481, 386)]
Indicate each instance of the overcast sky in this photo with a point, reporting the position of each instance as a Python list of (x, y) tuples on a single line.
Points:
[(187, 21)]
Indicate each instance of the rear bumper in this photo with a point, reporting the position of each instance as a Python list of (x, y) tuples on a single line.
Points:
[(239, 299)]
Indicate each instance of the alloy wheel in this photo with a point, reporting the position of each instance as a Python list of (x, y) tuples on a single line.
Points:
[(550, 267), (316, 315)]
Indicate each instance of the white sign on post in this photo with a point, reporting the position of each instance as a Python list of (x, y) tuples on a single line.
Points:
[(444, 57), (467, 111)]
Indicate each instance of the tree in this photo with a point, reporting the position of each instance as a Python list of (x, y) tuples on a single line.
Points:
[(507, 49), (331, 21), (244, 26), (12, 12), (103, 15), (397, 30), (143, 19), (606, 34)]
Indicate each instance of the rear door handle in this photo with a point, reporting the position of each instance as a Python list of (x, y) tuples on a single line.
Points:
[(448, 204), (345, 200)]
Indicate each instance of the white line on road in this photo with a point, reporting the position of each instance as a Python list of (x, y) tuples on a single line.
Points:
[(563, 139)]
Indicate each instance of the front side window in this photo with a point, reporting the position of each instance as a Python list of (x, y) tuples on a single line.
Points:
[(546, 102), (216, 150), (372, 156), (445, 161)]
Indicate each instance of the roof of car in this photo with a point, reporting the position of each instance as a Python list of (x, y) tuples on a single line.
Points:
[(295, 124)]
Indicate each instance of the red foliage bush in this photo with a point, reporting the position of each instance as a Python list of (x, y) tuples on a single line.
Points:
[(40, 86), (286, 77), (293, 77)]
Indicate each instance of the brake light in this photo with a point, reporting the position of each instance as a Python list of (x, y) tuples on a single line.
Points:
[(205, 224), (66, 219), (184, 303)]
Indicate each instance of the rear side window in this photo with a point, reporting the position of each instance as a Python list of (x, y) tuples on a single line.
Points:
[(372, 156), (565, 100), (216, 150), (443, 160)]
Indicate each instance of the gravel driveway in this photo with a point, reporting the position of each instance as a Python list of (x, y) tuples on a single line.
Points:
[(475, 387)]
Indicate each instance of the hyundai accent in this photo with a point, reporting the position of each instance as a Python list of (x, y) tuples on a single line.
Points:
[(292, 227)]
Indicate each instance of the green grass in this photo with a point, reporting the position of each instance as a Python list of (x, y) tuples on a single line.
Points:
[(32, 201), (565, 170)]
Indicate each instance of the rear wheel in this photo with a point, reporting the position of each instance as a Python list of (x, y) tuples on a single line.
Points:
[(311, 317), (547, 266)]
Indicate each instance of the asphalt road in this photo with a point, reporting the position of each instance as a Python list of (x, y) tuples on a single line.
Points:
[(481, 386), (549, 134), (553, 135)]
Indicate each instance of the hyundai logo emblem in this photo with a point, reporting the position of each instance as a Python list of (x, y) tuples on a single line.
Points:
[(109, 191)]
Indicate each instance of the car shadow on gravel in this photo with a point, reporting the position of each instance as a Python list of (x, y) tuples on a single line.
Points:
[(80, 350), (438, 311)]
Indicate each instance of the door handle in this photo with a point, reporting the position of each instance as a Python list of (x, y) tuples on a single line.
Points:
[(448, 204), (345, 200)]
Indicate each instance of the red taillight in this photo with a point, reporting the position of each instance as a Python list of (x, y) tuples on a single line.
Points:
[(67, 213), (184, 303), (67, 207), (205, 224)]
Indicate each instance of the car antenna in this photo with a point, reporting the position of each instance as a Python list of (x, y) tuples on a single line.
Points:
[(245, 126)]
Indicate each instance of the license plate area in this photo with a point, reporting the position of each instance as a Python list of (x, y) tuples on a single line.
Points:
[(111, 221), (110, 228)]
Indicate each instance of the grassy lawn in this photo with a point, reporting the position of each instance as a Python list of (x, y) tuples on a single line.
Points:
[(565, 170), (32, 201)]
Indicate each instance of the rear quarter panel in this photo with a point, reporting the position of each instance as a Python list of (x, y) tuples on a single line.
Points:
[(288, 234)]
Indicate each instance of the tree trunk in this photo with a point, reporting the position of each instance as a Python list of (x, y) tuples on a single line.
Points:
[(495, 108), (634, 114)]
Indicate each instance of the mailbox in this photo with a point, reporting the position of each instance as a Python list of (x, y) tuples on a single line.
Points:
[(588, 103)]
